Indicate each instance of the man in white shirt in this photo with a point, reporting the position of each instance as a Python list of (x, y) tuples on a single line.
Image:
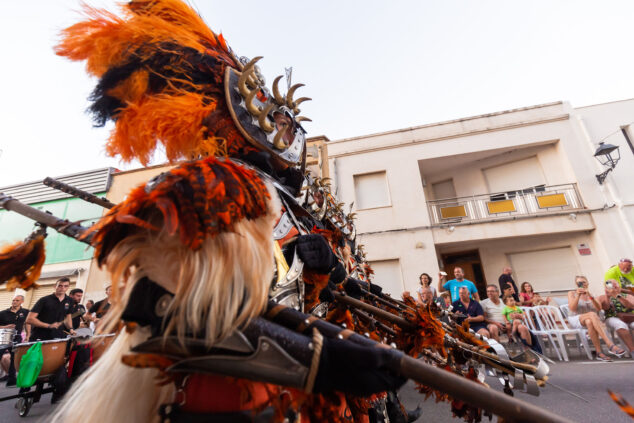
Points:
[(493, 306)]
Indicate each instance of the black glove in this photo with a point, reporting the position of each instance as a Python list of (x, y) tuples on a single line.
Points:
[(376, 289), (358, 370), (326, 296), (352, 288), (292, 179), (315, 252), (338, 274)]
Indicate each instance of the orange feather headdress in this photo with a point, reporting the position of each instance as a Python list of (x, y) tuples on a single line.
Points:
[(161, 75), (167, 80)]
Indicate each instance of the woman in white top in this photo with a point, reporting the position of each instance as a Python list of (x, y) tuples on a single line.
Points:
[(425, 282), (584, 313)]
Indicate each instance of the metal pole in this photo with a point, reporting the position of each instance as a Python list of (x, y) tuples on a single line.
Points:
[(65, 227), (374, 310), (511, 409), (76, 192)]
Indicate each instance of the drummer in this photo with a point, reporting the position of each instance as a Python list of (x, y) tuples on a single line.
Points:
[(13, 318), (51, 315), (100, 308), (77, 309)]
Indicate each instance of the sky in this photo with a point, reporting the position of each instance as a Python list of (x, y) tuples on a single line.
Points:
[(369, 66)]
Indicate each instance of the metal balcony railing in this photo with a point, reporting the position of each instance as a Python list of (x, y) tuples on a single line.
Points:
[(538, 200)]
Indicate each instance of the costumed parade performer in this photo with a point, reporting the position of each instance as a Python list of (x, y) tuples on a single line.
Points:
[(199, 235), (195, 254)]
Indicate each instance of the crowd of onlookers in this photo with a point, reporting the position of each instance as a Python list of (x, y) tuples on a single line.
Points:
[(500, 314)]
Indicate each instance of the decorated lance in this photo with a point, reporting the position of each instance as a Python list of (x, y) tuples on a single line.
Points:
[(386, 300), (390, 317), (62, 226), (372, 321), (455, 386), (76, 192), (406, 325)]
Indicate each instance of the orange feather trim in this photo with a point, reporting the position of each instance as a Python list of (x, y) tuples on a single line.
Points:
[(172, 120), (105, 39), (21, 263), (428, 334), (341, 315), (169, 100), (196, 199), (315, 282), (133, 88)]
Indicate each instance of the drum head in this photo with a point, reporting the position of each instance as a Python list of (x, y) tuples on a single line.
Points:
[(83, 333), (6, 337)]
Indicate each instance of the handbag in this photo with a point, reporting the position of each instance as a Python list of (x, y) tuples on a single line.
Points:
[(30, 366)]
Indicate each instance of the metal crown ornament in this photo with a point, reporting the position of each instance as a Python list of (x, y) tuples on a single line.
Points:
[(254, 109)]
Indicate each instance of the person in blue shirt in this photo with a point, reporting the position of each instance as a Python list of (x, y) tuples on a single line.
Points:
[(454, 285)]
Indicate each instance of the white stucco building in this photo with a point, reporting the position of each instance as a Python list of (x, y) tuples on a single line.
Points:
[(514, 188)]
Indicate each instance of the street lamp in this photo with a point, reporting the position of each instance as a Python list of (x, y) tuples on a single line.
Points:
[(608, 155)]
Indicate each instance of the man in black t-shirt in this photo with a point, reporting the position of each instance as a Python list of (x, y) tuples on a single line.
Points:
[(13, 318), (50, 316), (77, 310), (507, 284), (100, 308)]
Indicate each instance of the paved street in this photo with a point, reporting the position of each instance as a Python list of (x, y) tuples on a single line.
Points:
[(589, 379)]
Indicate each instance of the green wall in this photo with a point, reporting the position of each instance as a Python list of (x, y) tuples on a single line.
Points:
[(59, 248)]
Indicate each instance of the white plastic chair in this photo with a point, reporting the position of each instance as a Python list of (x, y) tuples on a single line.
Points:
[(529, 314), (554, 321)]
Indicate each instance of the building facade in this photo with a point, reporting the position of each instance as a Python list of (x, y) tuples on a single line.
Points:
[(515, 188)]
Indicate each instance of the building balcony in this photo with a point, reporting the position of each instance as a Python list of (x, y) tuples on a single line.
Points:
[(537, 201)]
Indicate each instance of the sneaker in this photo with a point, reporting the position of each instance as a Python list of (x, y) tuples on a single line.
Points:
[(603, 357), (616, 351)]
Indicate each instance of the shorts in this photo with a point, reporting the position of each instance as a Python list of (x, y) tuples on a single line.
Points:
[(614, 323), (477, 326), (573, 322)]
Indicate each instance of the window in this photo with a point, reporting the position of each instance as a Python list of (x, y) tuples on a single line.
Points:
[(513, 194), (371, 190), (443, 190), (515, 176), (387, 274)]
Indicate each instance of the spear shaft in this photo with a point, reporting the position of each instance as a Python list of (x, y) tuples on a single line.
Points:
[(62, 226), (76, 192)]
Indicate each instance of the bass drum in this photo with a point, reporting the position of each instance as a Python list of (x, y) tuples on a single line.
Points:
[(53, 353), (99, 345)]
